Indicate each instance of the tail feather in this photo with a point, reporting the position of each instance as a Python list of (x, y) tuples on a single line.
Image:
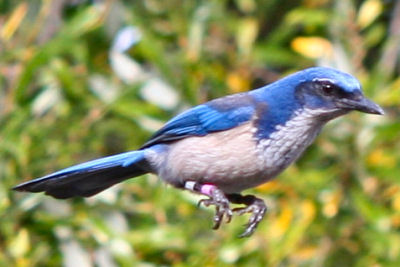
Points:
[(89, 178)]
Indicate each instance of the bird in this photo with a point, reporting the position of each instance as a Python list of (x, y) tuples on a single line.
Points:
[(222, 147)]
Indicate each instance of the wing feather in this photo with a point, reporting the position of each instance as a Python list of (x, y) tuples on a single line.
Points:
[(217, 115)]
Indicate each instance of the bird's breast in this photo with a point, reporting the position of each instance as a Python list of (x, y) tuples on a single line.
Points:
[(288, 141)]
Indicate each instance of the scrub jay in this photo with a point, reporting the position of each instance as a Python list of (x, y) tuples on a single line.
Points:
[(227, 145)]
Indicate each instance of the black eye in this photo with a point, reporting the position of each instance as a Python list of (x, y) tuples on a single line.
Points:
[(328, 88)]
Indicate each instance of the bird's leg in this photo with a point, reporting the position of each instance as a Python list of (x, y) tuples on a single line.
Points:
[(216, 197), (254, 205)]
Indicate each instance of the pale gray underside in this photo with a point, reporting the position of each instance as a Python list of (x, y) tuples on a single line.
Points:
[(234, 160)]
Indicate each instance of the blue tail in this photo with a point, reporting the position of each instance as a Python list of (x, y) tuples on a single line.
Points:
[(89, 178)]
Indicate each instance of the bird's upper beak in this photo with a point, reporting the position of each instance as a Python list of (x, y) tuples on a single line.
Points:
[(362, 104)]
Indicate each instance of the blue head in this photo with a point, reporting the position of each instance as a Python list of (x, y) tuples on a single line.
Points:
[(324, 93), (331, 92), (328, 92)]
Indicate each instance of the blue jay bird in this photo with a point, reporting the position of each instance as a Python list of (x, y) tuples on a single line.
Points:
[(227, 145)]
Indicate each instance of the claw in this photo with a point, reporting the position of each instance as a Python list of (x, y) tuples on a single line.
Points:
[(256, 207), (222, 209), (203, 201), (221, 201)]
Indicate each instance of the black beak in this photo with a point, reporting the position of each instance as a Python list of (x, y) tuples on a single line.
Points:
[(362, 104)]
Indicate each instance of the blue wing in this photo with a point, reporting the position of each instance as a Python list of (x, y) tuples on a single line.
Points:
[(217, 115)]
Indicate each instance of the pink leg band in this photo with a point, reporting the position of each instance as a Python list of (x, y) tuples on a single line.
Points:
[(207, 188)]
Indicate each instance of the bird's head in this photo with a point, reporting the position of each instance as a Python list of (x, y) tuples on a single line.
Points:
[(331, 93)]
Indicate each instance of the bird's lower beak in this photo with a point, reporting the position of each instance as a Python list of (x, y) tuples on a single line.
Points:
[(363, 105)]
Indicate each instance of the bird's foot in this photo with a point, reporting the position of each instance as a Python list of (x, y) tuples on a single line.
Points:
[(221, 203), (254, 205), (217, 198)]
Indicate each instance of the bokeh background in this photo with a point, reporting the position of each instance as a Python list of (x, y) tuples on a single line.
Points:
[(84, 79)]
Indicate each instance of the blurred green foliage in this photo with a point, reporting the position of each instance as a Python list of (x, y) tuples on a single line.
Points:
[(68, 94)]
